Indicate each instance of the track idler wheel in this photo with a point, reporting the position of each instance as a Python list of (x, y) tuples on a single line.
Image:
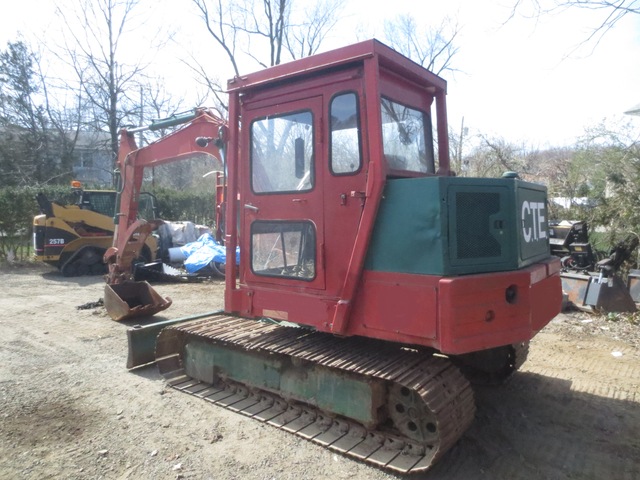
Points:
[(411, 416)]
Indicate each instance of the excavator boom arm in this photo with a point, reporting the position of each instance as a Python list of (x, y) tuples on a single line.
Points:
[(200, 135)]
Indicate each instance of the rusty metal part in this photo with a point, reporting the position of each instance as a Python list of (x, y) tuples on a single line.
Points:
[(574, 286), (633, 285), (133, 299), (427, 404), (593, 293), (120, 257), (609, 295)]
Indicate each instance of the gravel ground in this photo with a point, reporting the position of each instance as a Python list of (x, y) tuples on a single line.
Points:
[(71, 410)]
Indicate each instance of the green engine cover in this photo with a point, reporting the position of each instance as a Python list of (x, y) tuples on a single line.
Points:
[(457, 226)]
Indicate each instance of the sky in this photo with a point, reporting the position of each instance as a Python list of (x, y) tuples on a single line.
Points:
[(521, 80), (524, 80)]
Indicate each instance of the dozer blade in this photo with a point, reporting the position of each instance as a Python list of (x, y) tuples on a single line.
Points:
[(142, 339), (395, 408), (133, 299)]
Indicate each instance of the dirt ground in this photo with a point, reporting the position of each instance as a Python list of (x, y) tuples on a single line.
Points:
[(69, 408)]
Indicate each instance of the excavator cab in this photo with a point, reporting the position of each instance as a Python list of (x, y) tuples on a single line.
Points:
[(351, 221)]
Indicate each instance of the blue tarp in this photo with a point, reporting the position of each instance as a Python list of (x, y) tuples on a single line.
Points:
[(203, 251)]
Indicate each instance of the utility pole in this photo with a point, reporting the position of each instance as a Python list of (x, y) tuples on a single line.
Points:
[(463, 132)]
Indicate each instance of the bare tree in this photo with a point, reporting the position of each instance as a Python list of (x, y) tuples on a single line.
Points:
[(457, 143), (219, 19), (304, 39), (271, 26), (65, 120), (611, 12), (34, 146), (493, 156), (211, 84), (94, 46), (154, 103), (263, 32), (256, 27), (431, 47)]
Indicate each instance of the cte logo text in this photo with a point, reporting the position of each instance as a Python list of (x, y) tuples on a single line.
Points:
[(533, 221)]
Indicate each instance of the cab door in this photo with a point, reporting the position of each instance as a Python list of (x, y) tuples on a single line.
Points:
[(281, 204)]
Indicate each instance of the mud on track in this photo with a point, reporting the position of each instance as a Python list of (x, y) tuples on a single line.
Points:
[(69, 408)]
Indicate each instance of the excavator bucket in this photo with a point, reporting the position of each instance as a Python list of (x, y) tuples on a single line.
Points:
[(133, 299)]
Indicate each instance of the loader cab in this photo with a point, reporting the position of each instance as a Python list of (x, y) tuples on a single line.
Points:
[(318, 140), (104, 202), (99, 201)]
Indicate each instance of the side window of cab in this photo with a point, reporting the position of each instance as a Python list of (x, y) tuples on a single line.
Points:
[(407, 138), (345, 151)]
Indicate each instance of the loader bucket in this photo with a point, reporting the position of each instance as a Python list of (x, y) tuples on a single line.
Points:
[(633, 285), (588, 294), (611, 296), (574, 286), (133, 299)]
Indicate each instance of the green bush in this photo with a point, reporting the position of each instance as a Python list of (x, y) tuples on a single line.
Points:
[(197, 207), (18, 206)]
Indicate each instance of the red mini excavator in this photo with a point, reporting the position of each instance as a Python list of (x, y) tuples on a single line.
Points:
[(373, 283)]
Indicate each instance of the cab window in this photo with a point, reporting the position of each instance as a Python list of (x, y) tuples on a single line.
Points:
[(407, 138), (282, 153), (345, 152), (283, 249)]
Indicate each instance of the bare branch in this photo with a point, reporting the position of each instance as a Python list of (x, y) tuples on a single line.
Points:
[(266, 31), (224, 34), (305, 38), (211, 84), (612, 11), (433, 48), (93, 51)]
